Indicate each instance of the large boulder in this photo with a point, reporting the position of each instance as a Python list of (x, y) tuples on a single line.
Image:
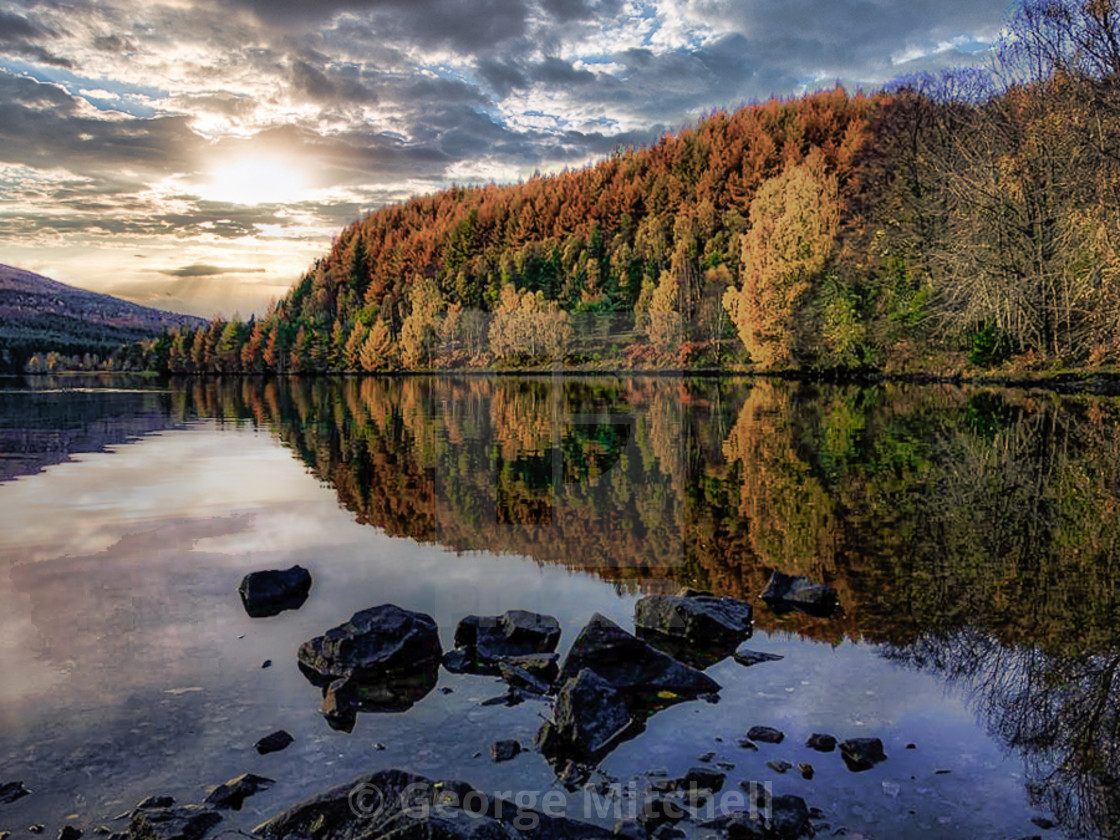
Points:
[(589, 719), (409, 807), (11, 791), (383, 659), (270, 592), (188, 822), (698, 618), (786, 593), (642, 674), (482, 643), (232, 794)]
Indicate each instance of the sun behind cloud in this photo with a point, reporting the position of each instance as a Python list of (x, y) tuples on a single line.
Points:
[(257, 179)]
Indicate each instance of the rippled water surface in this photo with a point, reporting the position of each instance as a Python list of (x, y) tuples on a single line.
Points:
[(971, 535)]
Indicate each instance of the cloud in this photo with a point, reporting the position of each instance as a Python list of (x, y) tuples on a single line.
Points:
[(201, 270)]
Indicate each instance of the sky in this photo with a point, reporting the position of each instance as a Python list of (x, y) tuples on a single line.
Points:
[(198, 155)]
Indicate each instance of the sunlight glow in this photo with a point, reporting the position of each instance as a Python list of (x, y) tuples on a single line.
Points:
[(255, 180)]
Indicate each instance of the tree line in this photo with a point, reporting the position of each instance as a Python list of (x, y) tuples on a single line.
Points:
[(968, 217)]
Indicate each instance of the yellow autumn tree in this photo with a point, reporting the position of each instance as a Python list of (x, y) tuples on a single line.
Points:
[(377, 351), (793, 223)]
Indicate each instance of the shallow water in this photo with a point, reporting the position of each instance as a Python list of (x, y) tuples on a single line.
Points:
[(970, 535)]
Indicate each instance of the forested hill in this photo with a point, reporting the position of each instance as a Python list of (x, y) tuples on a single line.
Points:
[(39, 315), (943, 221)]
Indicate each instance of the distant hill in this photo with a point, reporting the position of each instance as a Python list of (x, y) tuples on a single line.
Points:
[(39, 315)]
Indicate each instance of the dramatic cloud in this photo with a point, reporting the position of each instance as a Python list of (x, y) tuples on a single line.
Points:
[(145, 145)]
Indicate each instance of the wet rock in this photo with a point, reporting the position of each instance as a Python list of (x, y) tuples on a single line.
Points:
[(188, 822), (415, 807), (806, 770), (504, 750), (38, 828), (4, 835), (785, 593), (101, 830), (11, 791), (266, 664), (118, 835), (659, 810), (642, 674), (698, 618), (590, 717), (748, 744), (155, 802), (789, 818), (232, 794), (278, 740), (779, 766), (630, 830), (821, 742), (702, 777), (270, 592), (862, 753), (383, 659), (766, 734), (69, 832), (1043, 823), (740, 825), (535, 672), (482, 642), (747, 658)]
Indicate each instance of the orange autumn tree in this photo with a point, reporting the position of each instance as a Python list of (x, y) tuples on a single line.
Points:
[(794, 219)]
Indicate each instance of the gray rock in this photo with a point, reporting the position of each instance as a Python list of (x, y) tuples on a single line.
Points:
[(276, 741), (785, 593), (766, 734), (821, 743), (156, 802), (38, 828), (590, 718), (789, 818), (534, 672), (641, 673), (232, 794), (699, 618), (375, 641), (187, 822), (504, 750), (630, 830), (270, 592), (11, 791), (483, 642), (701, 777), (412, 806), (747, 658), (862, 753)]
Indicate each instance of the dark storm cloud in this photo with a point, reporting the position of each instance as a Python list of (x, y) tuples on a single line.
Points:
[(203, 270), (23, 37)]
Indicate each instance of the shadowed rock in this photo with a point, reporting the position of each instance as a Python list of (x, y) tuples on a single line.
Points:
[(232, 794), (188, 822), (270, 592), (11, 791), (276, 741), (862, 753), (590, 718), (785, 593), (698, 618), (482, 643)]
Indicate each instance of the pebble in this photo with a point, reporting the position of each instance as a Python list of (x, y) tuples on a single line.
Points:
[(766, 734)]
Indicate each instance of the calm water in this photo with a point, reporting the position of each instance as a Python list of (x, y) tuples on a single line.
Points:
[(972, 535)]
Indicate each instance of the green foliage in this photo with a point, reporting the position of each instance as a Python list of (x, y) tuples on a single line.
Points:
[(989, 346)]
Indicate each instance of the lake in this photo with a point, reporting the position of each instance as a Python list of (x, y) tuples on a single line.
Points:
[(971, 535)]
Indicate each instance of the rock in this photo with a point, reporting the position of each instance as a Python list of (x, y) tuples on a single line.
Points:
[(862, 753), (270, 592), (379, 640), (232, 794), (447, 690), (590, 718), (658, 810), (785, 593), (488, 639), (806, 770), (38, 828), (410, 806), (1043, 823), (668, 831), (187, 822), (504, 750), (642, 674), (699, 618), (779, 766), (11, 791), (789, 818), (534, 672), (383, 659), (766, 734), (701, 777), (821, 743), (155, 802), (748, 744), (266, 664), (278, 740), (630, 830), (747, 658), (103, 830), (69, 832), (4, 835)]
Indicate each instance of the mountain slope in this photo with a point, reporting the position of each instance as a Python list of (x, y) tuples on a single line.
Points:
[(38, 314)]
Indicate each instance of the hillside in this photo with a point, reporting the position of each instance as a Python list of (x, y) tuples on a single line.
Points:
[(40, 315), (967, 221)]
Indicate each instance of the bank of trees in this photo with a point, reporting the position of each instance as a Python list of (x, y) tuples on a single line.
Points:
[(970, 215)]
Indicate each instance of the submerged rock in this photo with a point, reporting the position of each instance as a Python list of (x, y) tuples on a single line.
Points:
[(589, 719), (747, 658), (402, 805), (483, 643), (505, 750), (232, 794), (189, 822), (862, 753), (821, 743), (278, 740), (641, 673), (11, 791), (270, 592), (698, 618), (766, 734), (785, 593), (383, 659)]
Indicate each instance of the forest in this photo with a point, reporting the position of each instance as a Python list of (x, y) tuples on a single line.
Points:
[(963, 221)]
